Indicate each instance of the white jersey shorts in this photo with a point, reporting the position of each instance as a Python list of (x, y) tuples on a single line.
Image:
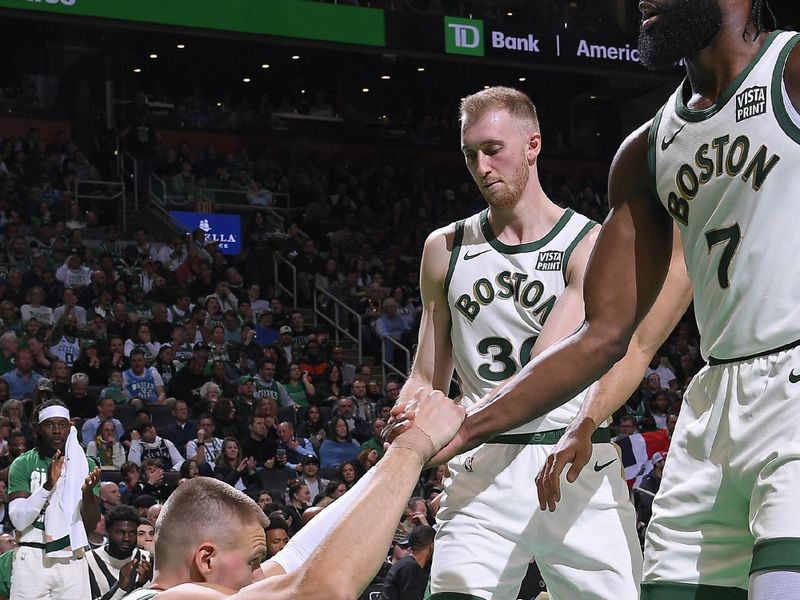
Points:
[(36, 577), (491, 527), (729, 497)]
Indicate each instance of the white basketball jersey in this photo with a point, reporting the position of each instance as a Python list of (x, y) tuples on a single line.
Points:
[(499, 298), (729, 176)]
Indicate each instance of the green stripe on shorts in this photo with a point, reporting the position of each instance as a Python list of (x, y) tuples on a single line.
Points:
[(688, 591), (777, 554)]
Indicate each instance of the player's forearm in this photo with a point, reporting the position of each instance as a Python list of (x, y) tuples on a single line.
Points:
[(90, 510), (372, 520), (547, 382)]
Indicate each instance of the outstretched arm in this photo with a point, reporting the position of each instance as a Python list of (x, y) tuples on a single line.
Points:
[(372, 519), (624, 276)]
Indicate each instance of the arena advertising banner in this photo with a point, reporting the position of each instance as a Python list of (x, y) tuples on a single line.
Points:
[(224, 230), (483, 39), (284, 18)]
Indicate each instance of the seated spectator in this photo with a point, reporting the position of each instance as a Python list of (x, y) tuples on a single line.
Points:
[(143, 382), (142, 341), (145, 535), (78, 400), (308, 475), (392, 324), (299, 386), (296, 448), (105, 412), (267, 387), (262, 441), (313, 427), (151, 483), (9, 345), (114, 389), (182, 430), (130, 479), (190, 469), (375, 442), (368, 458), (72, 274), (232, 467), (350, 472), (146, 444), (277, 536), (314, 363), (119, 567), (245, 401), (110, 496), (165, 363), (70, 306), (91, 362), (347, 370), (205, 447), (359, 428), (22, 380), (36, 308), (298, 500), (266, 334), (329, 390), (187, 382), (339, 446), (407, 579)]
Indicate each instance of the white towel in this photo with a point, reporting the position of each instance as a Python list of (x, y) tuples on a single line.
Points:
[(62, 517)]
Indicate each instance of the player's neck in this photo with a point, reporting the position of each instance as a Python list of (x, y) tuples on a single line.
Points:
[(722, 61), (528, 220)]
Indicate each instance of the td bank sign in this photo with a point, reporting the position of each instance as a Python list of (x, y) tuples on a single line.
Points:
[(465, 36)]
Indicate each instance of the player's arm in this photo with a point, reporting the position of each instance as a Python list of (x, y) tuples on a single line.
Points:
[(433, 364), (615, 387), (791, 76), (625, 274)]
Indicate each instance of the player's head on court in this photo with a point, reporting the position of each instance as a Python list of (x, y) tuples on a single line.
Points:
[(51, 420), (501, 142), (209, 532), (676, 29)]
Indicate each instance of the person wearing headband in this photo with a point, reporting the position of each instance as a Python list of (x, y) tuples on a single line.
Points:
[(46, 486)]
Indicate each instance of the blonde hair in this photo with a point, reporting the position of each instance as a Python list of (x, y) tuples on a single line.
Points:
[(517, 103), (201, 509)]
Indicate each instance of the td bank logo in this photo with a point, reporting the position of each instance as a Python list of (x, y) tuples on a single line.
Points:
[(463, 36)]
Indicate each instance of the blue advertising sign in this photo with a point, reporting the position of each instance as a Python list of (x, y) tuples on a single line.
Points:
[(224, 230)]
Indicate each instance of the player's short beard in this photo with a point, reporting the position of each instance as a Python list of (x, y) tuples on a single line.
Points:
[(508, 196), (683, 29)]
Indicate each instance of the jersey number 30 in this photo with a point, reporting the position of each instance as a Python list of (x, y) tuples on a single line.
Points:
[(501, 350)]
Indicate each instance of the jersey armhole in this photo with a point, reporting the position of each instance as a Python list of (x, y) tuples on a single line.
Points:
[(568, 252), (451, 267), (785, 113), (652, 140)]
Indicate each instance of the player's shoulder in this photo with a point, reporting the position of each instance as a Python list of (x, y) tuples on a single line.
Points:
[(630, 169), (445, 238)]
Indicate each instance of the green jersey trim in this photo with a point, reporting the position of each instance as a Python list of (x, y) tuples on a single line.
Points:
[(568, 252), (451, 267), (667, 590), (695, 116), (486, 228), (652, 151), (777, 554), (778, 105)]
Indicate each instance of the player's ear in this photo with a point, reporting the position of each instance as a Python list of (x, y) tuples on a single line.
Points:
[(533, 148), (204, 559)]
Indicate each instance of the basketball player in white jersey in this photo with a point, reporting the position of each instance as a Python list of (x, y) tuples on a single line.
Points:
[(720, 161), (489, 285)]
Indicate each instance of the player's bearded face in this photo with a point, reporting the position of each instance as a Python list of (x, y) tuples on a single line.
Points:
[(678, 29), (507, 193)]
